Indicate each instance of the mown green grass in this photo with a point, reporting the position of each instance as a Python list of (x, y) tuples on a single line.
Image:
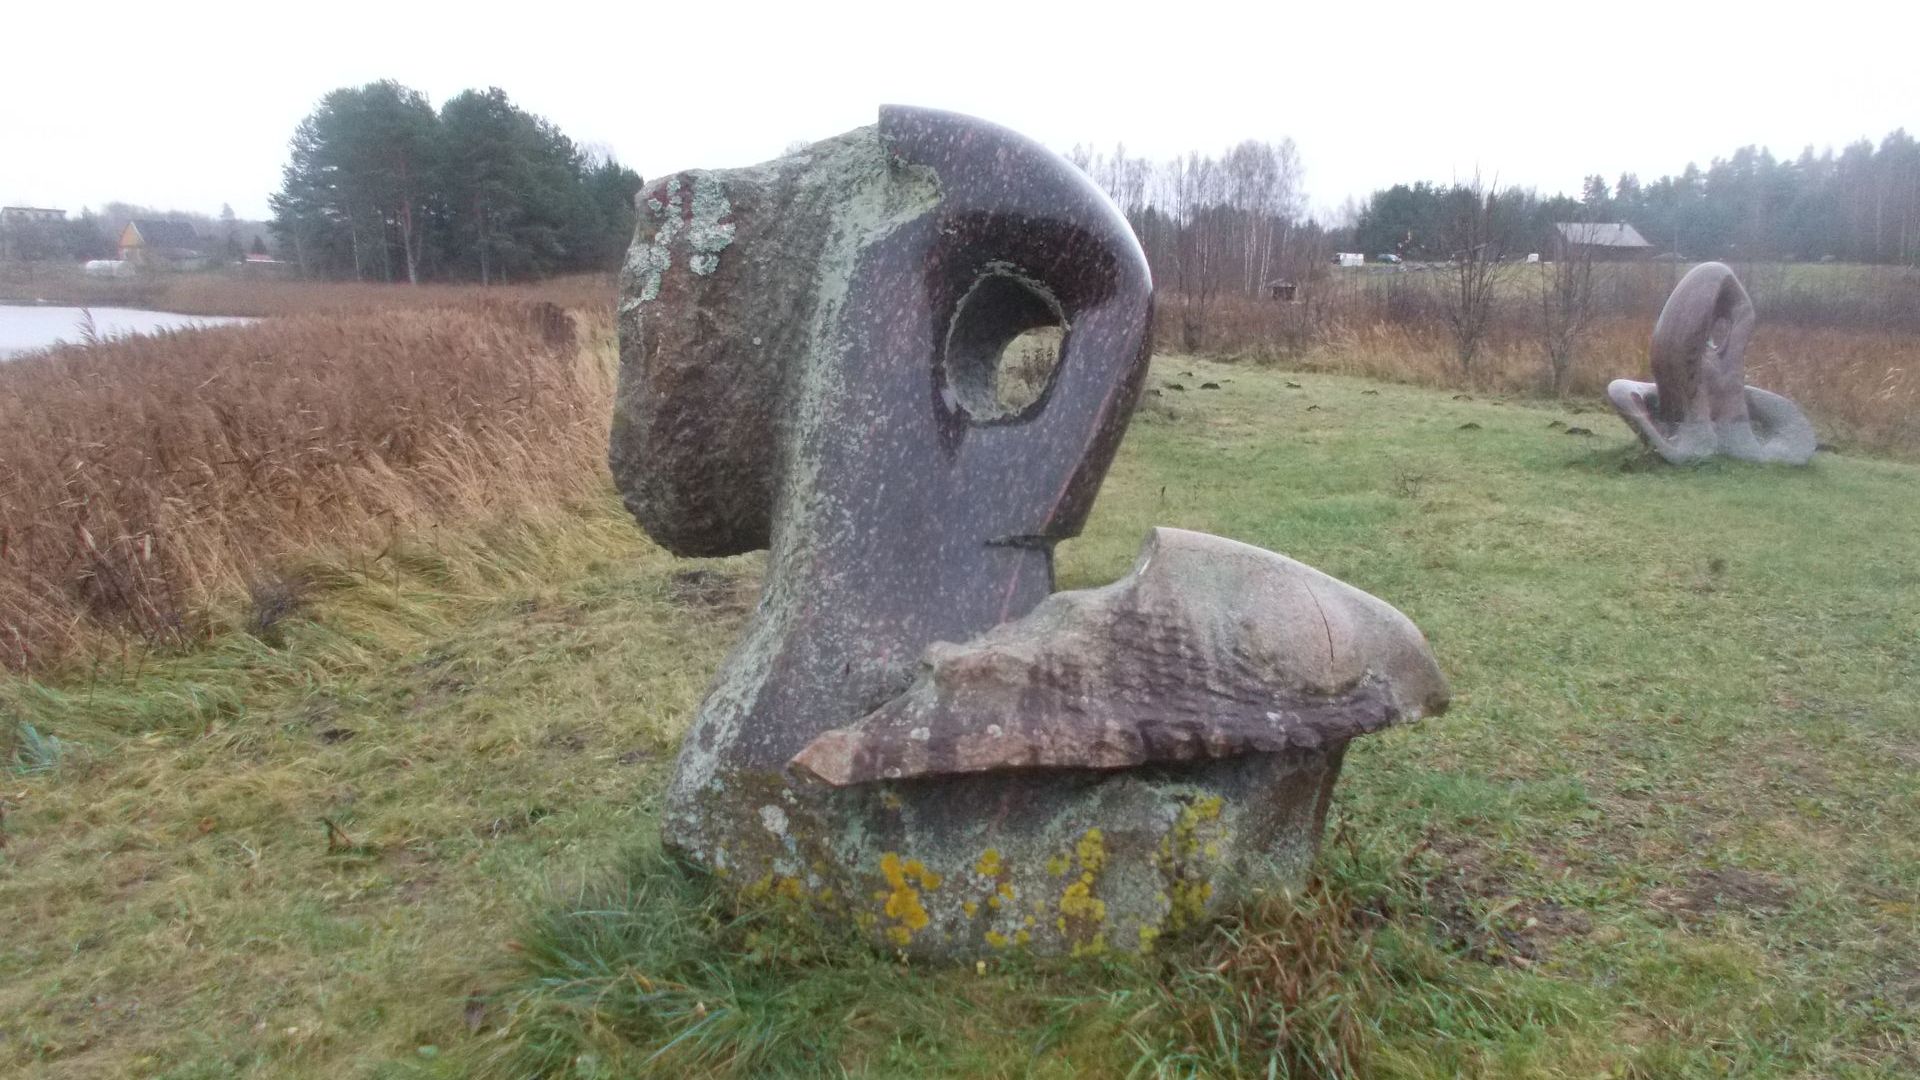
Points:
[(1669, 827)]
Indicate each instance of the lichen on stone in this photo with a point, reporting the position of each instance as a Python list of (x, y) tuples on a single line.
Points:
[(903, 903), (707, 234), (1092, 851), (1180, 858), (989, 863), (1078, 902)]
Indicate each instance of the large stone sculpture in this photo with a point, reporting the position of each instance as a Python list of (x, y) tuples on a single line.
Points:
[(817, 357), (1699, 403)]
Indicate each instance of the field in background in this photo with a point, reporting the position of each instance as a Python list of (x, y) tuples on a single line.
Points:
[(1669, 828), (1843, 341), (240, 293), (161, 490)]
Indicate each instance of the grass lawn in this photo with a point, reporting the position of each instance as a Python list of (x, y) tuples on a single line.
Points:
[(1671, 826)]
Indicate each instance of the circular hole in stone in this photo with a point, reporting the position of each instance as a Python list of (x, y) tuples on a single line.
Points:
[(1003, 346)]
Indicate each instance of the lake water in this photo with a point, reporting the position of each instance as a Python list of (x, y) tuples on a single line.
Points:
[(24, 329)]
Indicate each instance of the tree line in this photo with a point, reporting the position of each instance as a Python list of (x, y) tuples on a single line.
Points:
[(380, 186), (1235, 223), (1861, 205), (95, 234)]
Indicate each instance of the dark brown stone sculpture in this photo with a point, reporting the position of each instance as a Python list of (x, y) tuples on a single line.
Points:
[(1699, 404), (841, 355)]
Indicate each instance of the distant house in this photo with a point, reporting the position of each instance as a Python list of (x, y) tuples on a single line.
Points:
[(1601, 240), (160, 244), (31, 215)]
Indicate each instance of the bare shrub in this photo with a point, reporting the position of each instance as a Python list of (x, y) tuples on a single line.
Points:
[(1479, 269), (1566, 291)]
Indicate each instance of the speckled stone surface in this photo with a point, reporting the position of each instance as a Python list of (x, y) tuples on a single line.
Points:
[(810, 362), (1699, 404)]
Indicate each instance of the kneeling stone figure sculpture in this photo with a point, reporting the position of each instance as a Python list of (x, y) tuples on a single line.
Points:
[(1699, 403), (913, 734)]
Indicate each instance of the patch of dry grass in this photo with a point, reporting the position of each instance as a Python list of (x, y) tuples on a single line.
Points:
[(152, 482)]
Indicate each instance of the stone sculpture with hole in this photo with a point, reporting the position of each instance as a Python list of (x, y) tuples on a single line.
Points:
[(914, 734)]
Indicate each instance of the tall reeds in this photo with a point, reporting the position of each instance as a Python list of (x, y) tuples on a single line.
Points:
[(144, 482)]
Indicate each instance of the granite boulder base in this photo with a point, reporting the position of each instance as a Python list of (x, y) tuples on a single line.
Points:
[(1699, 404), (815, 358), (1121, 762)]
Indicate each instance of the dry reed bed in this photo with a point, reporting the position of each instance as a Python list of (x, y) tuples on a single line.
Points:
[(145, 482)]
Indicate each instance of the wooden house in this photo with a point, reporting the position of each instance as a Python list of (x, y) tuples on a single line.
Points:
[(160, 244), (1604, 241)]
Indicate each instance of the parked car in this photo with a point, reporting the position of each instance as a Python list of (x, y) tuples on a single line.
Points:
[(1387, 258)]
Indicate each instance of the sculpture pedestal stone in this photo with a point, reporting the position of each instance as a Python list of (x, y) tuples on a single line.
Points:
[(813, 359), (1699, 404), (1121, 762)]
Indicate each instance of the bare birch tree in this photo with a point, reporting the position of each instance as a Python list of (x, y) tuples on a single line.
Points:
[(1566, 294), (1479, 268)]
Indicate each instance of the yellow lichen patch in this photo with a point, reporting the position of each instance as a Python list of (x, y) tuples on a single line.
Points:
[(1096, 946), (1022, 937), (989, 864), (1148, 935), (1058, 865), (1005, 889), (775, 886), (993, 902), (903, 901), (928, 879), (1093, 851), (970, 908), (1183, 853), (1078, 902), (996, 939), (1189, 903), (899, 935)]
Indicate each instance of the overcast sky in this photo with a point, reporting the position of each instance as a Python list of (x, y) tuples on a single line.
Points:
[(189, 105)]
